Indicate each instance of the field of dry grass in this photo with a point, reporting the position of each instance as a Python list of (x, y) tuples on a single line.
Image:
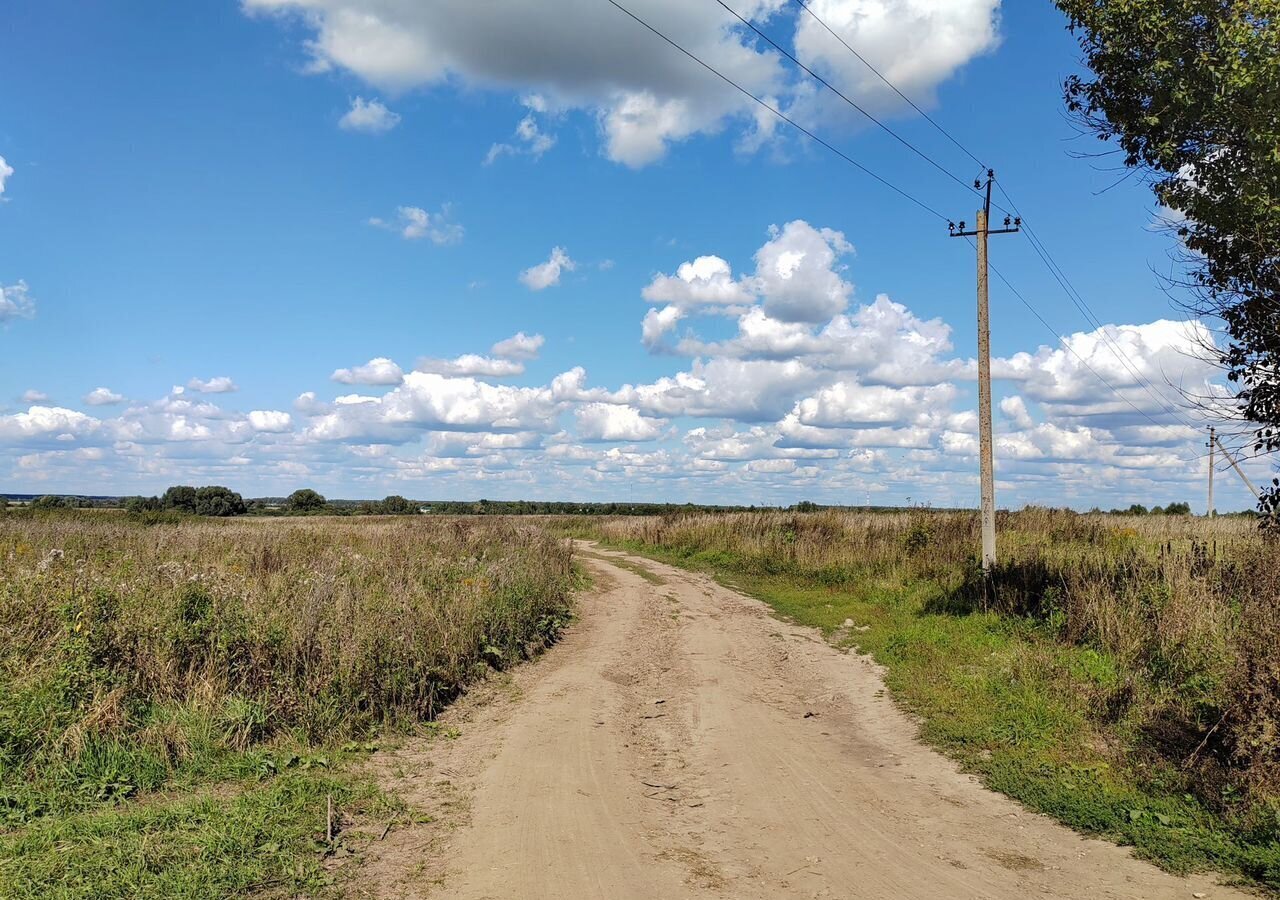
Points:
[(142, 657)]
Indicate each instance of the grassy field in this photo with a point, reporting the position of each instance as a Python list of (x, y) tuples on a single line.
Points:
[(181, 700), (1122, 673)]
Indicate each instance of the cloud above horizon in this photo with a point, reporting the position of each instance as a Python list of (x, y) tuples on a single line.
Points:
[(806, 390), (643, 94), (369, 116)]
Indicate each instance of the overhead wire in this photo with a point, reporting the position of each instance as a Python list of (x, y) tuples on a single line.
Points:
[(1078, 300), (949, 136), (829, 86), (783, 116), (1037, 245), (883, 181), (1067, 346)]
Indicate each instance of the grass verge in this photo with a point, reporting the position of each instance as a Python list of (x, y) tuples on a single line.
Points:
[(269, 838)]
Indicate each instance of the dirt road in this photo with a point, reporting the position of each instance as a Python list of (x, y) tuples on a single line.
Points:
[(683, 743)]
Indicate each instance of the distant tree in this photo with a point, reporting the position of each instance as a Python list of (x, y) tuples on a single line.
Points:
[(1157, 510), (395, 505), (55, 501), (304, 501), (216, 500), (142, 504), (181, 497), (211, 500), (1178, 509), (1137, 510), (806, 506)]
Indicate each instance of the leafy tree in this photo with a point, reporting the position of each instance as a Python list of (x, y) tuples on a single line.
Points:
[(304, 501), (211, 500), (216, 500), (1190, 91), (142, 504), (57, 501), (395, 505), (181, 497), (1178, 509), (1137, 509)]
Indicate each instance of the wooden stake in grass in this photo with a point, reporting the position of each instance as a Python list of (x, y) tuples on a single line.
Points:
[(329, 819)]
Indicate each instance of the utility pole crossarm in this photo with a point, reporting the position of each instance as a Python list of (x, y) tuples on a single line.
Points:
[(987, 440)]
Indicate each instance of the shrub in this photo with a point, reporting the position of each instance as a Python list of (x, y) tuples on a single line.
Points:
[(304, 501)]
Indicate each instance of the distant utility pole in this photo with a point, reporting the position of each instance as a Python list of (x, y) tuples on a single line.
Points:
[(986, 451), (1213, 440)]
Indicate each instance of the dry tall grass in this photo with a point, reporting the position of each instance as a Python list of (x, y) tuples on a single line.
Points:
[(229, 633)]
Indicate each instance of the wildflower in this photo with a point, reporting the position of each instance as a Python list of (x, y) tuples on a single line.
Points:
[(49, 559)]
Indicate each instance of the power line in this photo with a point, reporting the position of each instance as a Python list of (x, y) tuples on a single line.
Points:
[(829, 86), (783, 116), (1037, 245), (805, 6), (1067, 346), (883, 181), (1081, 304)]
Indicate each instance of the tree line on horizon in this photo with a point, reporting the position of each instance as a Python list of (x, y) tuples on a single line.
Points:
[(222, 502)]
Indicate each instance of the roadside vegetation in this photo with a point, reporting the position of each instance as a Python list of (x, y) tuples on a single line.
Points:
[(1119, 673), (181, 699)]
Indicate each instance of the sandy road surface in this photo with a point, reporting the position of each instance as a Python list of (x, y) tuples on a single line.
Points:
[(683, 743)]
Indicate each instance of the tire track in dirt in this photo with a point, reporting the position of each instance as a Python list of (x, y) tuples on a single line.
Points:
[(681, 742)]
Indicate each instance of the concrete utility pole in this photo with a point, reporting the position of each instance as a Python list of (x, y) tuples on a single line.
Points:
[(986, 440), (1213, 439)]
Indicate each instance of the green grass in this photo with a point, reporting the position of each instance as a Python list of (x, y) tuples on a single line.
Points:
[(268, 837), (1015, 705)]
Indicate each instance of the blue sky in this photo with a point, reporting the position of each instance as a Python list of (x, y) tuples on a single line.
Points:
[(216, 195)]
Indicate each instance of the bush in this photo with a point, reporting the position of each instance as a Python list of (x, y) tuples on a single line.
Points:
[(304, 501)]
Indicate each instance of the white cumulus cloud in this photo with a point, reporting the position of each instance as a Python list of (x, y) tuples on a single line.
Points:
[(413, 223), (472, 364), (547, 274), (611, 422), (220, 384), (531, 140), (519, 346), (644, 94), (370, 116), (15, 303), (272, 421), (103, 397), (379, 370)]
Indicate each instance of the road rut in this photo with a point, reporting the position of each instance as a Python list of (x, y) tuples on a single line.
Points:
[(683, 743)]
